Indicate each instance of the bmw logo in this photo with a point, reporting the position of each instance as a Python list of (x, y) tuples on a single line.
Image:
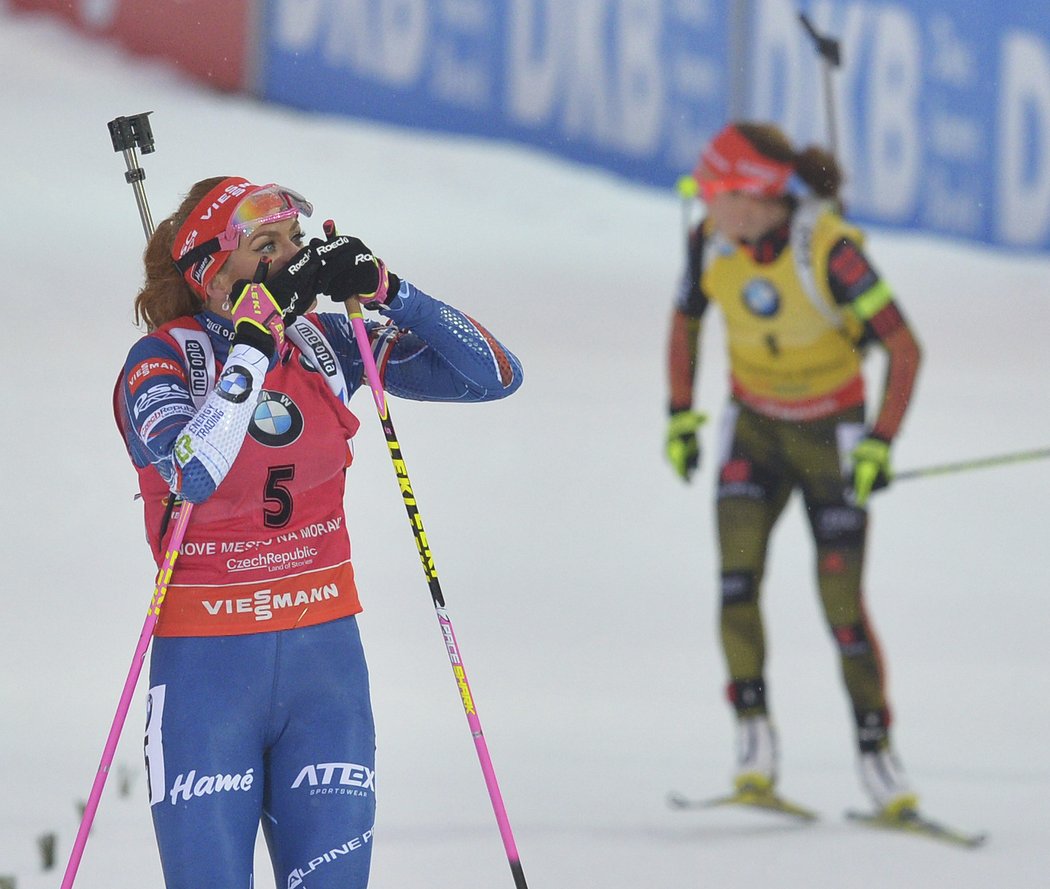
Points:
[(761, 297), (235, 384), (277, 421)]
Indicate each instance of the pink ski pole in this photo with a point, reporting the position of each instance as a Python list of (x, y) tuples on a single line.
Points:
[(160, 591), (451, 645), (130, 134)]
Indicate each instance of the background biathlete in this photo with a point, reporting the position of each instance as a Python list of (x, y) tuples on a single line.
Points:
[(801, 303), (236, 401)]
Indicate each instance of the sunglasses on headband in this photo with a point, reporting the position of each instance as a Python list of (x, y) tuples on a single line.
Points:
[(268, 204)]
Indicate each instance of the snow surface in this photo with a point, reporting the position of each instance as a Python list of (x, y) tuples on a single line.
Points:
[(581, 575)]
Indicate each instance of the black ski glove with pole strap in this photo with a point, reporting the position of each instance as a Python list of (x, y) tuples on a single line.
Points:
[(350, 269)]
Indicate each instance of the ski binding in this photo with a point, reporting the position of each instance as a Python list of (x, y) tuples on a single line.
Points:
[(910, 821)]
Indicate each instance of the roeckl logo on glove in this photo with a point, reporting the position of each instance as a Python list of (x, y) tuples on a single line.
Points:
[(332, 245), (363, 257), (298, 267)]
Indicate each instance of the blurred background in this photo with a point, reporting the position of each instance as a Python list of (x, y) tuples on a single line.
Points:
[(519, 159), (939, 109)]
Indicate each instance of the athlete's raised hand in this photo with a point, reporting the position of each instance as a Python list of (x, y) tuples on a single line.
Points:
[(349, 268)]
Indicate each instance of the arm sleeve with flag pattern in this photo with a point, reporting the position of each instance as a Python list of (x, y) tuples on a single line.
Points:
[(429, 351), (192, 449)]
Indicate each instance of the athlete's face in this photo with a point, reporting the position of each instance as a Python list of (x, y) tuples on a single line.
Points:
[(745, 217), (276, 242)]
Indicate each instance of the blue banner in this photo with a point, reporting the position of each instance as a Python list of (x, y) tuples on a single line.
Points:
[(634, 86), (941, 107)]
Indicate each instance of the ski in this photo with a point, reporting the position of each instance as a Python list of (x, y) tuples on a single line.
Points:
[(910, 821), (753, 799)]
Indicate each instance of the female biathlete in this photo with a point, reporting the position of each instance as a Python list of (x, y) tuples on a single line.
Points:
[(236, 401), (801, 304)]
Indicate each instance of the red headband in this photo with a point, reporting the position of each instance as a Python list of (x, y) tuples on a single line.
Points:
[(731, 163), (208, 220)]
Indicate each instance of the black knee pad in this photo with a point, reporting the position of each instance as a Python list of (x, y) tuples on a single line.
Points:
[(838, 525), (873, 729), (738, 587)]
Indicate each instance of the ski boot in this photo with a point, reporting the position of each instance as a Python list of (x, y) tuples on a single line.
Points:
[(756, 763)]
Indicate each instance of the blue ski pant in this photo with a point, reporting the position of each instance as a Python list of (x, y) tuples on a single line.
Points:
[(272, 727)]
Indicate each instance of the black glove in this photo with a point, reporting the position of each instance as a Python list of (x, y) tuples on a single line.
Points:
[(349, 269), (294, 287)]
